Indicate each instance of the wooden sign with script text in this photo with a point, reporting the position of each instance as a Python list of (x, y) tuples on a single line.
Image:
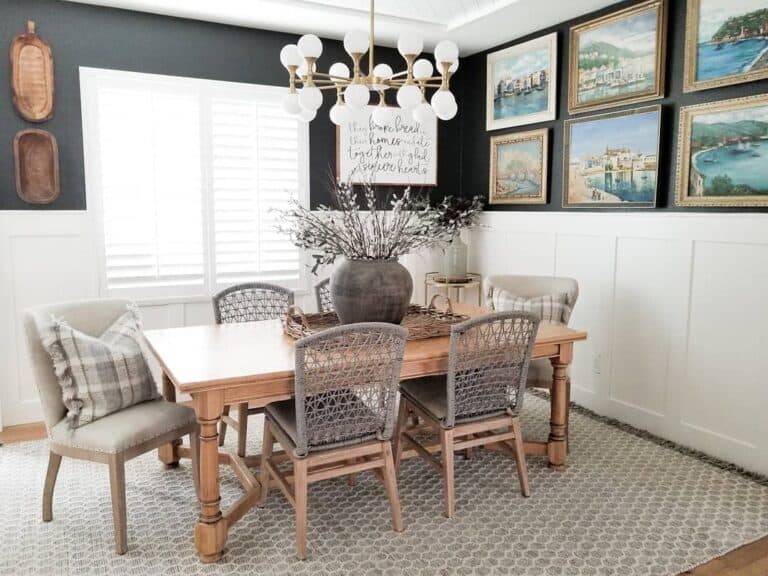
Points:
[(404, 152)]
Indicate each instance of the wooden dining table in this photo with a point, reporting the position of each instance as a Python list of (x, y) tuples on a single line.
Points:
[(227, 364)]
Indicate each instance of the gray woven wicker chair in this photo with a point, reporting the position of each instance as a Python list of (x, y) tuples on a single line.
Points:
[(342, 418), (323, 296), (249, 302), (481, 395)]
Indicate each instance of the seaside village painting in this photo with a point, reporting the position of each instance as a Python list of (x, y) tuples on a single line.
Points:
[(617, 58), (726, 151), (521, 84), (612, 159), (732, 42)]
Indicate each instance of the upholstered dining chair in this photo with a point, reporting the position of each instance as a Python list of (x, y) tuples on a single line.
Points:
[(323, 296), (342, 417), (112, 439), (553, 297), (479, 401), (248, 302)]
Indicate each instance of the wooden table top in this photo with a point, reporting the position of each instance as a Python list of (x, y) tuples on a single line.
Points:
[(196, 357)]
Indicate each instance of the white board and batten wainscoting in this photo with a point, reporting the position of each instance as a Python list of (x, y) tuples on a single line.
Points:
[(675, 306)]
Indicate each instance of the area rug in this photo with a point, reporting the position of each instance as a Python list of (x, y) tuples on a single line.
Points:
[(624, 506)]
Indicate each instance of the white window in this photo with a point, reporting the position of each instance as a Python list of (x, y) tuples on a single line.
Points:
[(183, 175)]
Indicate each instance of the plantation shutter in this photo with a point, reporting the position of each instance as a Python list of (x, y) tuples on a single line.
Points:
[(188, 174)]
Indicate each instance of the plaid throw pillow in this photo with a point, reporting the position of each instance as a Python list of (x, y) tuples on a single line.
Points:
[(99, 376), (550, 307)]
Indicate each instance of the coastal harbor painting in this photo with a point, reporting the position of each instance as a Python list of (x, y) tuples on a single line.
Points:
[(618, 59), (521, 84), (611, 160), (519, 168), (726, 42), (723, 153)]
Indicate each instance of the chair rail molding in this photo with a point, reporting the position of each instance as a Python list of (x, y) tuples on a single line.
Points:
[(674, 305)]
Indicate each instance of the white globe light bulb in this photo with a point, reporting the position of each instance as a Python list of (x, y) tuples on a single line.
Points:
[(444, 104), (310, 46), (382, 115), (445, 51), (409, 44), (383, 71), (423, 114), (291, 103), (422, 69), (408, 96), (356, 95), (340, 114), (290, 55), (339, 69), (356, 42), (310, 98), (307, 115)]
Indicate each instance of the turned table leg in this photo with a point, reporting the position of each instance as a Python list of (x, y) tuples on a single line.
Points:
[(211, 528), (169, 453), (557, 446)]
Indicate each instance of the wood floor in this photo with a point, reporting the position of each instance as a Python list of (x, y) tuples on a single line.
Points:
[(749, 560)]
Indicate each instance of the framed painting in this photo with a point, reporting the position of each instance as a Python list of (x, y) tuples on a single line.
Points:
[(726, 42), (723, 153), (618, 59), (611, 160), (521, 87), (519, 168)]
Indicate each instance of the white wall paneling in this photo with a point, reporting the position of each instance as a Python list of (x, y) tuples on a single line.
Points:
[(675, 309)]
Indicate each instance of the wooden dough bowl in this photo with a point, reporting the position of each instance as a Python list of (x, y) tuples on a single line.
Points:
[(37, 166), (32, 76)]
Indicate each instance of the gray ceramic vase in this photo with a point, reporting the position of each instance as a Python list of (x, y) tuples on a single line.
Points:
[(371, 291)]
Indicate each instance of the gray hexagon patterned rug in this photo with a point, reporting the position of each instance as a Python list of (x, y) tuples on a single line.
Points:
[(624, 506)]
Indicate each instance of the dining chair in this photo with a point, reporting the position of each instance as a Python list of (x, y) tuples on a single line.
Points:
[(479, 401), (323, 296), (504, 292), (342, 417), (248, 302), (112, 439)]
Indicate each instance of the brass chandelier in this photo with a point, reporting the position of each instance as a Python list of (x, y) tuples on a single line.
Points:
[(353, 93)]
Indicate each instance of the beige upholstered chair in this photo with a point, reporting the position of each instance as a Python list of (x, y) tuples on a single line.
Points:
[(479, 401), (112, 439), (540, 371), (342, 417), (248, 302)]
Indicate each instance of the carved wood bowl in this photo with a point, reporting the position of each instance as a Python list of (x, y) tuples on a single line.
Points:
[(37, 166)]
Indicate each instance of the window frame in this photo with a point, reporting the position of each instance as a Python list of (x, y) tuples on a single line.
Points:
[(90, 79)]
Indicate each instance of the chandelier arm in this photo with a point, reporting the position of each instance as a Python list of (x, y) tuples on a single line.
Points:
[(370, 44)]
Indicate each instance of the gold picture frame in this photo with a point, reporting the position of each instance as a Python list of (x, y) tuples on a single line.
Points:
[(690, 69), (586, 194), (524, 158), (652, 92), (738, 151)]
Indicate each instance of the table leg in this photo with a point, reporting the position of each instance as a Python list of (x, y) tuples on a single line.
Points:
[(557, 447), (211, 528), (169, 453)]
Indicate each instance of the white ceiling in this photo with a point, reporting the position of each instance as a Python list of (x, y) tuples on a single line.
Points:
[(473, 24)]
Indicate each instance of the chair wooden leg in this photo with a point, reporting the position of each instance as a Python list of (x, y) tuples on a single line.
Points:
[(194, 446), (300, 495), (223, 427), (446, 446), (54, 461), (117, 486), (400, 427), (390, 485), (266, 454), (522, 466), (242, 432)]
